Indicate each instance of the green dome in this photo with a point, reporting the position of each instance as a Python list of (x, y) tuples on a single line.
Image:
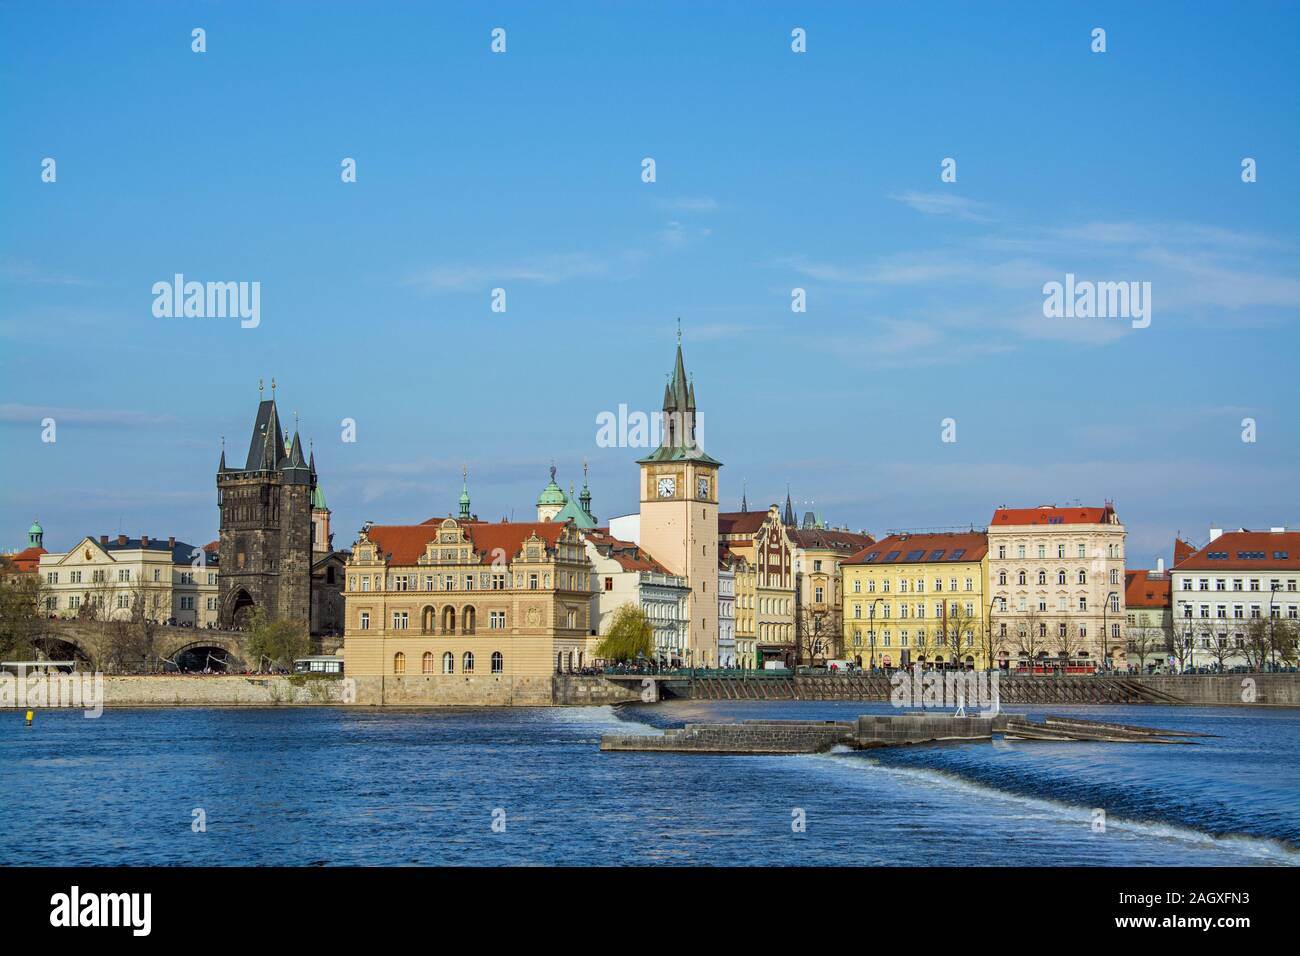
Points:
[(36, 528), (552, 494)]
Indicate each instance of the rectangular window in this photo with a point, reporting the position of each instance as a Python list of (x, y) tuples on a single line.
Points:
[(497, 620), (364, 620), (401, 620)]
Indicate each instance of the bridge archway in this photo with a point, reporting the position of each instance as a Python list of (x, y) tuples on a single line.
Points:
[(56, 648), (205, 655)]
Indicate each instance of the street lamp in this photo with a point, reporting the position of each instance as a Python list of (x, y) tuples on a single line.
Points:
[(988, 665), (1272, 641)]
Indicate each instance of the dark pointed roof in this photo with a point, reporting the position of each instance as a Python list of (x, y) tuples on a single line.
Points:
[(679, 407), (266, 447), (787, 517)]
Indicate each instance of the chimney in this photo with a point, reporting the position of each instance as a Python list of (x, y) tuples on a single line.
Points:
[(1160, 565), (1277, 530), (103, 539), (171, 541), (1215, 532), (121, 540), (144, 541)]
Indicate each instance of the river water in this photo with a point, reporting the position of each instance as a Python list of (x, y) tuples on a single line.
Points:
[(528, 786)]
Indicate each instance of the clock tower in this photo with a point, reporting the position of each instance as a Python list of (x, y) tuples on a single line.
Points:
[(679, 513)]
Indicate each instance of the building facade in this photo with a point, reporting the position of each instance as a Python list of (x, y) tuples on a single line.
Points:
[(1236, 601), (625, 574), (727, 651), (760, 545), (467, 611), (119, 578), (1148, 618), (1056, 577), (818, 587), (920, 600)]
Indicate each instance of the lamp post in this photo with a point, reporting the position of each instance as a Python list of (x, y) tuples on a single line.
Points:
[(988, 617), (1272, 641)]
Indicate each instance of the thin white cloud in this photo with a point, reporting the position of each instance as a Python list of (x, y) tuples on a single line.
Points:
[(690, 204), (543, 270), (945, 204)]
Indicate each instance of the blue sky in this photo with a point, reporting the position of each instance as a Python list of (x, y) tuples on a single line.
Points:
[(774, 170)]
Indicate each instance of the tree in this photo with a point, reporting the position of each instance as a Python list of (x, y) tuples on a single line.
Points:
[(630, 635), (991, 640), (1032, 635), (815, 634), (277, 641), (954, 628), (1220, 648), (21, 615), (1183, 646), (1144, 641)]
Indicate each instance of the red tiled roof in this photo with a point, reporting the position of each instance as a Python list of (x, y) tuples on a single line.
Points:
[(741, 522), (629, 556), (975, 544), (1140, 590), (1182, 551), (1050, 514), (1236, 544), (28, 559), (406, 543)]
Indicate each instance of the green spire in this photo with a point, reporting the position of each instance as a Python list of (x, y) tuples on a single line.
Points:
[(35, 535), (464, 493), (318, 500)]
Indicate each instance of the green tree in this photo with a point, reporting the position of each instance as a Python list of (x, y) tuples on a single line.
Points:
[(277, 642), (630, 636)]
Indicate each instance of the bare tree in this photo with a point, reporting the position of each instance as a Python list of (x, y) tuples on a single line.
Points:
[(1183, 645), (1032, 635), (815, 634), (956, 633), (1220, 648), (1145, 641)]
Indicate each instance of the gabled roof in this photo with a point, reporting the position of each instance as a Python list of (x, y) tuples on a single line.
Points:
[(1247, 551), (1050, 514), (829, 539), (572, 511), (1182, 551), (741, 522), (28, 559), (940, 548), (405, 544), (1143, 591), (629, 556)]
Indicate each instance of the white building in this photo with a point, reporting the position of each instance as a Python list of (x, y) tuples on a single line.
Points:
[(165, 579), (626, 574), (1238, 578), (726, 616)]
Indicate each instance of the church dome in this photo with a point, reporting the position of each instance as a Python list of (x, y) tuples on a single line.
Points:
[(552, 494), (36, 528)]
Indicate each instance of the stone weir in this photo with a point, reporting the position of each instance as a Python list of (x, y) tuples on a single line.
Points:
[(878, 730)]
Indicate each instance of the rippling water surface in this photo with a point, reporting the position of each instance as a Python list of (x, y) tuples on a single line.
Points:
[(349, 786)]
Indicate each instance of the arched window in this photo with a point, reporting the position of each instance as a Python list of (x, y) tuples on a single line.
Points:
[(426, 663), (427, 618), (467, 620), (1083, 577), (449, 620), (399, 663), (467, 663), (1021, 578), (1002, 577), (1060, 577), (498, 662), (448, 663), (1042, 577)]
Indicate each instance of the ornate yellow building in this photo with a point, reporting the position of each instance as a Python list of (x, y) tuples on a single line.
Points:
[(765, 598), (464, 611)]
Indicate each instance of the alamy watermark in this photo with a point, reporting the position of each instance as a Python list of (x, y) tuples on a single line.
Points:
[(957, 689), (1098, 300), (637, 429), (208, 300), (43, 690)]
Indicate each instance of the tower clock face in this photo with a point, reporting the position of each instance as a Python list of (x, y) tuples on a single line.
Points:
[(702, 485), (667, 487)]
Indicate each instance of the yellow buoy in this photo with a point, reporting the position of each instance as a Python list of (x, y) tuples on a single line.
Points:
[(30, 715)]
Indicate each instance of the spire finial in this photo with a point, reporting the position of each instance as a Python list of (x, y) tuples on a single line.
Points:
[(272, 386), (295, 419), (552, 472), (259, 388), (679, 330)]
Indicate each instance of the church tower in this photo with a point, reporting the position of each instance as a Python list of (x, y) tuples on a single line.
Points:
[(679, 512), (266, 525)]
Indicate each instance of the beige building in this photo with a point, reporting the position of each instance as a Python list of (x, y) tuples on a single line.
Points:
[(679, 514), (466, 611), (819, 605), (625, 574), (763, 555), (1056, 580), (116, 578)]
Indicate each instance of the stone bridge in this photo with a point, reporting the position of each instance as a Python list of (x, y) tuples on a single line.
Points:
[(192, 648)]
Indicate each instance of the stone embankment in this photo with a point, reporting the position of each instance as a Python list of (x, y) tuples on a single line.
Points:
[(876, 730)]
